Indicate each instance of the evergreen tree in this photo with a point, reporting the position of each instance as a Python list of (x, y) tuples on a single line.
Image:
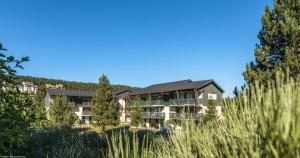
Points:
[(210, 114), (61, 113), (279, 46), (236, 92), (136, 115), (104, 109), (70, 85), (40, 111), (15, 108)]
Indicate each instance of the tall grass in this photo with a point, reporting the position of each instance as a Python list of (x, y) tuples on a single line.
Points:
[(262, 122), (68, 143)]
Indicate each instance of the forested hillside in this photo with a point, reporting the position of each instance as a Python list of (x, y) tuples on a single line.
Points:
[(70, 85)]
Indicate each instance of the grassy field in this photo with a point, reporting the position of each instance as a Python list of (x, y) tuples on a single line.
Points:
[(261, 122)]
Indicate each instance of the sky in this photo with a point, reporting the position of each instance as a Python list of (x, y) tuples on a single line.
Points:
[(133, 42)]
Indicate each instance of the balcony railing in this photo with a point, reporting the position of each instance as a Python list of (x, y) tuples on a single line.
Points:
[(87, 113), (185, 116), (83, 104), (86, 104), (71, 103), (158, 115), (147, 103), (182, 101), (178, 102)]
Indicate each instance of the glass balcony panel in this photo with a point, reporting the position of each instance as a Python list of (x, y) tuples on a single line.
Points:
[(190, 101), (86, 104), (178, 102), (86, 113), (71, 103), (158, 115), (185, 116)]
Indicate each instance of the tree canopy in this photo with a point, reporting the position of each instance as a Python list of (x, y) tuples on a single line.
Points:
[(61, 114), (70, 85), (210, 114), (16, 112), (279, 46), (39, 108), (104, 108)]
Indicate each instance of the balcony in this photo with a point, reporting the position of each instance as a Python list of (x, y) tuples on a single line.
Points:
[(87, 113), (157, 115), (181, 116), (72, 104), (83, 104), (179, 102), (86, 104), (176, 102), (148, 103)]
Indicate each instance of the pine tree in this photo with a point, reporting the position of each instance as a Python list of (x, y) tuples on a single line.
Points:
[(104, 109), (236, 92), (61, 114), (40, 111), (279, 46), (210, 114), (136, 116)]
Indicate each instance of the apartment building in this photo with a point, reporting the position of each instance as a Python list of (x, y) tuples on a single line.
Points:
[(28, 87), (176, 101), (57, 86), (160, 103), (82, 101)]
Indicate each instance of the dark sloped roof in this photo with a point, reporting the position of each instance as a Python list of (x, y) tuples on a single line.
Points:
[(56, 92), (117, 92), (175, 86)]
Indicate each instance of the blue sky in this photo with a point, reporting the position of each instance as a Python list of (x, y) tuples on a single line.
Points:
[(133, 42)]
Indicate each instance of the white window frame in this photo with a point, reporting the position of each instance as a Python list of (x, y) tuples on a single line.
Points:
[(212, 96), (200, 96)]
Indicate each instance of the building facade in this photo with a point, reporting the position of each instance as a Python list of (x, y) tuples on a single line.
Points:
[(160, 104), (58, 86), (175, 101), (81, 101), (28, 88)]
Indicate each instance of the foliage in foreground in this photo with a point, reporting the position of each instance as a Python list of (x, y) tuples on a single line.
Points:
[(261, 123), (16, 112), (67, 143)]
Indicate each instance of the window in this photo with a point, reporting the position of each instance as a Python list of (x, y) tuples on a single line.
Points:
[(212, 96), (200, 96), (181, 96), (190, 95), (76, 109), (86, 109)]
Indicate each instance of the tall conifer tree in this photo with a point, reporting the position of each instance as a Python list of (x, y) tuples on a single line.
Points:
[(39, 101), (279, 46), (210, 114), (62, 114), (104, 109)]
